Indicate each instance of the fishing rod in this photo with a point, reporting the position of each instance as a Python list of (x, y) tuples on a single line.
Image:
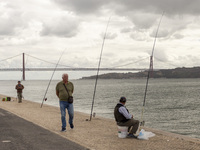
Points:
[(45, 99), (150, 69), (98, 70)]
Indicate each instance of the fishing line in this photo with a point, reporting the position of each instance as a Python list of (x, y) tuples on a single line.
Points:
[(98, 70), (165, 62), (44, 99), (47, 61), (150, 69), (10, 57), (130, 63)]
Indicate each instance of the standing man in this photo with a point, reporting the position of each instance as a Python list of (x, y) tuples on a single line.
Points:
[(19, 87), (63, 95), (124, 118)]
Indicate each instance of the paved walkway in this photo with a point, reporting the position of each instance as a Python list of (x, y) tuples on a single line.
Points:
[(98, 134), (19, 134)]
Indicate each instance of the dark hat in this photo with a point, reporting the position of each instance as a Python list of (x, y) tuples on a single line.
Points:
[(122, 99)]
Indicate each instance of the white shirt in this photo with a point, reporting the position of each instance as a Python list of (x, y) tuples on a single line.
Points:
[(124, 112)]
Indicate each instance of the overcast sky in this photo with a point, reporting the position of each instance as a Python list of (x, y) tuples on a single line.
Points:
[(45, 28)]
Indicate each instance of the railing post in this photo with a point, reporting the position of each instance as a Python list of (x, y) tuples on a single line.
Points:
[(23, 67)]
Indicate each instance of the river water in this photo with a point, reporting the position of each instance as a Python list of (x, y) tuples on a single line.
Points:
[(171, 104)]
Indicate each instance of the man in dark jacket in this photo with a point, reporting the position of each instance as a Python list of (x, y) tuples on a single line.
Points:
[(19, 87), (124, 118)]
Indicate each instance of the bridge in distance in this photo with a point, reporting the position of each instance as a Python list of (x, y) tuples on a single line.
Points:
[(73, 69), (23, 70)]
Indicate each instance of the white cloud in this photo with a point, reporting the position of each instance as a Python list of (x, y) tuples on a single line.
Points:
[(10, 21)]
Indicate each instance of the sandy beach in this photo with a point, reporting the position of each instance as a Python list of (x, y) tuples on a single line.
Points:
[(98, 134)]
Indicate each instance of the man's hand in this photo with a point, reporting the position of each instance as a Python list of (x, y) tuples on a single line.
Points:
[(57, 93)]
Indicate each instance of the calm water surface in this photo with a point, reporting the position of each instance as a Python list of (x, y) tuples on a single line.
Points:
[(171, 104)]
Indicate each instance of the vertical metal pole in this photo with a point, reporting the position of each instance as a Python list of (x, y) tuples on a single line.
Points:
[(23, 67)]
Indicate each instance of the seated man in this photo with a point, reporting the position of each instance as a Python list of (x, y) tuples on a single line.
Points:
[(124, 118)]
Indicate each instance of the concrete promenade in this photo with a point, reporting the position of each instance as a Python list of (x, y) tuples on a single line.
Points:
[(98, 134)]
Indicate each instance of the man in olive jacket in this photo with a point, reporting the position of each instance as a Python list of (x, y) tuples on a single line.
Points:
[(63, 96), (124, 118)]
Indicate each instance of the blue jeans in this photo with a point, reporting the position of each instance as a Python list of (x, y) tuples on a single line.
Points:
[(70, 108)]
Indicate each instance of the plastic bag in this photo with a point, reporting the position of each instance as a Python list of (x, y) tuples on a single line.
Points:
[(144, 135)]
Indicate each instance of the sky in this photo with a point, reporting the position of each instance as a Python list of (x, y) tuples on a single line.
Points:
[(43, 29)]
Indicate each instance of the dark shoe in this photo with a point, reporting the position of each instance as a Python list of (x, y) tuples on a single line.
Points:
[(63, 130), (71, 126), (131, 136)]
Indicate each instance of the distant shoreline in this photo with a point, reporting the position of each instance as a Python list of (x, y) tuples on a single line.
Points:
[(164, 73)]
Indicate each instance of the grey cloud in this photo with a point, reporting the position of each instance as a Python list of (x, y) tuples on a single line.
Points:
[(168, 27), (143, 14), (176, 24), (63, 27), (123, 6), (138, 36), (187, 60), (160, 54), (178, 36), (81, 6), (126, 30), (162, 33), (158, 6), (109, 35), (142, 20), (6, 27)]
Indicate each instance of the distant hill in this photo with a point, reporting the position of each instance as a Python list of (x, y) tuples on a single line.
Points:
[(165, 73)]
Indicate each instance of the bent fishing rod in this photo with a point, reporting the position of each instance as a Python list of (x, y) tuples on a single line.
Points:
[(98, 70), (150, 70), (45, 99)]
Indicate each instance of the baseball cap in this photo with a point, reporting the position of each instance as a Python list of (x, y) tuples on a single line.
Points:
[(122, 99)]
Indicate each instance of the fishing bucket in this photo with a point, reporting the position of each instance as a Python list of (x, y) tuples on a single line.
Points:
[(8, 98), (122, 131)]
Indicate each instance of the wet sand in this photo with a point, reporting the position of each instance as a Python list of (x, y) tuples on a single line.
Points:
[(98, 134)]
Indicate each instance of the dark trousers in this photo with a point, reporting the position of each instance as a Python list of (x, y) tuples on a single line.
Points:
[(19, 95), (132, 125)]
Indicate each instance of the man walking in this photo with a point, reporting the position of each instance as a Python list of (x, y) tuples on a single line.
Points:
[(19, 87), (124, 118), (64, 89)]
